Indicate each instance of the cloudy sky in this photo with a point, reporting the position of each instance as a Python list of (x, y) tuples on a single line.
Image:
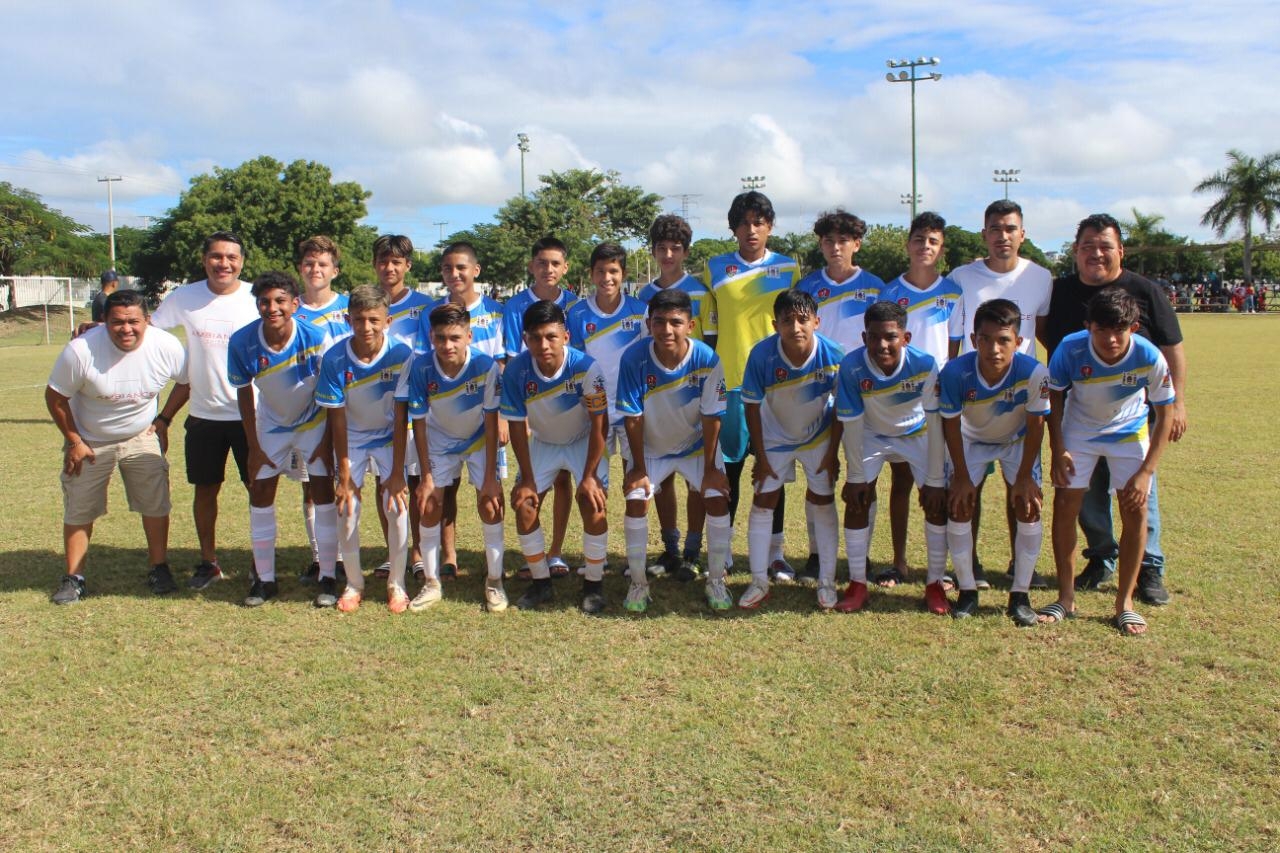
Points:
[(1126, 104)]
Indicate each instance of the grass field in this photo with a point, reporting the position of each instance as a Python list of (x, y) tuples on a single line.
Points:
[(190, 723)]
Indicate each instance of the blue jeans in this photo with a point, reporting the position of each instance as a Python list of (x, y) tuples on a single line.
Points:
[(1099, 534)]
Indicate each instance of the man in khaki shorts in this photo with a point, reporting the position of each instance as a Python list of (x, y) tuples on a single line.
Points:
[(102, 397)]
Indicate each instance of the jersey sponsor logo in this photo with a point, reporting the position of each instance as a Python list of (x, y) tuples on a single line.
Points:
[(630, 325), (598, 385), (481, 321), (940, 302), (721, 392), (1010, 395), (387, 374), (1086, 371), (471, 386), (866, 385), (1044, 389), (1166, 382), (414, 312), (693, 380), (780, 374), (860, 295), (773, 272)]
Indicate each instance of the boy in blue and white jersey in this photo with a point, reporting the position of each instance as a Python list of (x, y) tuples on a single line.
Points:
[(452, 395), (280, 359), (843, 290), (603, 325), (787, 390), (557, 393), (671, 395), (1113, 376), (358, 378), (887, 407), (993, 401)]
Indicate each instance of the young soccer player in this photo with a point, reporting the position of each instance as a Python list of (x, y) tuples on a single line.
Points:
[(787, 390), (358, 378), (557, 393), (929, 298), (993, 401), (603, 325), (671, 394), (548, 263), (669, 240), (1113, 377), (318, 266), (886, 403), (452, 395), (281, 359)]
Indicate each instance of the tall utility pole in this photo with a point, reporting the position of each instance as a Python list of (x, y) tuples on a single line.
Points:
[(909, 76), (442, 225), (684, 203), (1006, 177), (913, 200), (522, 142), (111, 216), (753, 182)]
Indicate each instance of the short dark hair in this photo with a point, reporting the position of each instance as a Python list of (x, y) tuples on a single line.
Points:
[(670, 227), (396, 245), (670, 299), (887, 312), (542, 313), (1098, 222), (606, 252), (222, 237), (124, 299), (1112, 308), (999, 208), (752, 201), (460, 247), (796, 302), (1005, 313), (275, 280), (367, 296), (449, 314), (927, 221), (839, 221), (543, 244)]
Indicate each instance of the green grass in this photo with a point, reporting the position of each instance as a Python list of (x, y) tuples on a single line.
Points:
[(131, 722)]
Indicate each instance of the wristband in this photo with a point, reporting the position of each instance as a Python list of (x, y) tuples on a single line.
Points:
[(162, 419)]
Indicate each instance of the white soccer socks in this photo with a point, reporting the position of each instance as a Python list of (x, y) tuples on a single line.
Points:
[(534, 548), (856, 542), (325, 522), (935, 540), (719, 538), (636, 532), (960, 544), (349, 533), (493, 549), (262, 533), (1027, 541), (759, 543), (825, 539)]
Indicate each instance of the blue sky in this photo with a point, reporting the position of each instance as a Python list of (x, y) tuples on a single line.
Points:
[(1123, 105)]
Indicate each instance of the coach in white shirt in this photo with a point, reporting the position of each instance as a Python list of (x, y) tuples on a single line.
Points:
[(102, 396)]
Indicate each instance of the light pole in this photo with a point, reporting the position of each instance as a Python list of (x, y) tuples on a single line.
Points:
[(111, 217), (1006, 177), (442, 225), (909, 76), (753, 182), (522, 142), (913, 200)]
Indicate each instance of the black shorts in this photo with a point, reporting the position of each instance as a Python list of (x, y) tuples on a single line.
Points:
[(206, 449)]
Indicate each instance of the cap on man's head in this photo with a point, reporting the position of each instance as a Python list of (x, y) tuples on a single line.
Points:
[(109, 275)]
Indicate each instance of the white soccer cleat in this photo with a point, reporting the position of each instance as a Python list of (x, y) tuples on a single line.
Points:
[(637, 600), (430, 594), (495, 597), (755, 595), (827, 596), (718, 597)]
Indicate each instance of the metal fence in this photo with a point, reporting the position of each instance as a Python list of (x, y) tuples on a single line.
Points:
[(24, 291)]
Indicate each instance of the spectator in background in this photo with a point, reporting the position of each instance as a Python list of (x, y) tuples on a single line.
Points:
[(109, 281)]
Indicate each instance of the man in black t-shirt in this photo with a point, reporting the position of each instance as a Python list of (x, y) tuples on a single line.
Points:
[(97, 310), (1098, 253)]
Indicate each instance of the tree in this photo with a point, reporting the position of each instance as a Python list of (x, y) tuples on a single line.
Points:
[(34, 237), (801, 248), (1247, 188), (270, 206), (704, 250), (884, 251)]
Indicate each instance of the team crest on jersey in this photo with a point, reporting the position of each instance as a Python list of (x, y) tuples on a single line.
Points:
[(1010, 395), (866, 385), (530, 388), (773, 272), (732, 269), (471, 386), (911, 386), (824, 293), (348, 377), (630, 325), (971, 395), (433, 387), (940, 302), (414, 312), (387, 374), (598, 385), (1044, 389), (860, 295), (780, 374), (692, 380), (482, 321), (904, 302), (263, 362), (1086, 371), (591, 328), (651, 381), (1129, 380)]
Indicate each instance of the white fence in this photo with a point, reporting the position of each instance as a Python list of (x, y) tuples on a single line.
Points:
[(26, 290)]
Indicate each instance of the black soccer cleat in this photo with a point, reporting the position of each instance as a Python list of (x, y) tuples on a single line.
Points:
[(966, 604), (592, 597), (538, 594), (1019, 610)]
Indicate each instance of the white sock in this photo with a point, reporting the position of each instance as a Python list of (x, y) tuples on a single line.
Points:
[(825, 538), (935, 541), (262, 533), (759, 539), (493, 549), (326, 538), (429, 541), (856, 540), (1026, 546), (719, 537), (594, 546), (811, 528), (775, 541), (534, 548), (397, 545), (309, 518), (960, 544), (349, 531), (636, 531)]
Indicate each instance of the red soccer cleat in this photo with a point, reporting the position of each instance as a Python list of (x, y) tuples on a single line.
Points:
[(935, 599), (855, 598)]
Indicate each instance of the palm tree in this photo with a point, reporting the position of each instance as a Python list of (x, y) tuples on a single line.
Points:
[(1248, 187), (1143, 232)]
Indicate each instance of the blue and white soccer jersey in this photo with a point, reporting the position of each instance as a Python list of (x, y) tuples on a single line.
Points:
[(287, 416), (704, 304), (893, 410), (404, 315), (605, 337), (330, 318), (486, 327), (453, 409), (842, 305), (928, 313), (673, 403), (513, 318), (1107, 404), (795, 409), (993, 418), (366, 390), (558, 411)]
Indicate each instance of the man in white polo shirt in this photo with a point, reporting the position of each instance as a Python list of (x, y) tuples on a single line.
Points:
[(102, 397)]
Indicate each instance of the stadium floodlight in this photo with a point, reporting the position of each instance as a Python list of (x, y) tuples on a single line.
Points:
[(907, 74)]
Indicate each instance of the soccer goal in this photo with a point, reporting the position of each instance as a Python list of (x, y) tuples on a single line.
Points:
[(24, 291)]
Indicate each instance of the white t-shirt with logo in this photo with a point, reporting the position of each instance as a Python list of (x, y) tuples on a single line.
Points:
[(1029, 286), (209, 321), (112, 392)]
